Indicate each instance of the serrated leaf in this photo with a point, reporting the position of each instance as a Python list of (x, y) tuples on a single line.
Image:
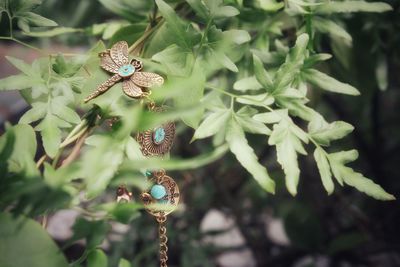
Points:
[(333, 131), (344, 157), (325, 82), (250, 125), (22, 66), (245, 155), (361, 183), (287, 158), (64, 112), (37, 112), (288, 71), (261, 74), (212, 124), (324, 170), (51, 134)]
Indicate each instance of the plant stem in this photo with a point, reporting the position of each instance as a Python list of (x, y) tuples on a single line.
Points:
[(75, 150), (145, 35)]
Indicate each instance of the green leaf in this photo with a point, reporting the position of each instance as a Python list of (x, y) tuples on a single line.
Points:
[(314, 59), (100, 163), (53, 32), (38, 20), (249, 124), (329, 26), (176, 61), (15, 82), (177, 28), (22, 66), (288, 71), (97, 258), (248, 83), (212, 124), (325, 82), (261, 74), (260, 100), (286, 137), (352, 6), (210, 9), (24, 242), (344, 157), (271, 117), (324, 169), (359, 181), (332, 131), (245, 155), (191, 92), (133, 11), (93, 231), (130, 33), (37, 112), (225, 61), (124, 263), (51, 134), (64, 112), (18, 149), (270, 5)]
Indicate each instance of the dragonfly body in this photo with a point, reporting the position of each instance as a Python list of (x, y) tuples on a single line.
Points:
[(116, 61)]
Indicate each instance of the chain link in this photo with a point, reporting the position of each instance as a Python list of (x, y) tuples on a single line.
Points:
[(162, 233)]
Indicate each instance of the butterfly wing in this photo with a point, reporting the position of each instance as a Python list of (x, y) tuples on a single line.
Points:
[(147, 79), (119, 53), (108, 64), (130, 89)]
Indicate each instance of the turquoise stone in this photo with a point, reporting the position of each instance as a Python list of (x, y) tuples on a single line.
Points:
[(148, 173), (159, 135), (158, 191), (126, 70)]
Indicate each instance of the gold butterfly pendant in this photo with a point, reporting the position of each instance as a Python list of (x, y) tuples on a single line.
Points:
[(134, 81)]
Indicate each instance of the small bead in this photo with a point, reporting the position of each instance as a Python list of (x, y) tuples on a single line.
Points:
[(159, 135), (158, 191), (126, 70), (148, 173)]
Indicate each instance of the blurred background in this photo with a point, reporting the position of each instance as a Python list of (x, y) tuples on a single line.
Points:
[(227, 220)]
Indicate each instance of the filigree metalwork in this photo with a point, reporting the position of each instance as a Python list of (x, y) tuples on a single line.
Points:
[(166, 204), (134, 81), (157, 141)]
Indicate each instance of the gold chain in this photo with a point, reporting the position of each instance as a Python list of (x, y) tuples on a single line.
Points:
[(162, 233)]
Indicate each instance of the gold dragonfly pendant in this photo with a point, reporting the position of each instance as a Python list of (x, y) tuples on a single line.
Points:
[(134, 81)]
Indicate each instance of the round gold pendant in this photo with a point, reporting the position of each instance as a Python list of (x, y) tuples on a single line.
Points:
[(163, 195)]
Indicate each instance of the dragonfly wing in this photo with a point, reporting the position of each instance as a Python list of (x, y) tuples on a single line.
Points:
[(131, 89), (108, 64), (147, 79), (119, 53)]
